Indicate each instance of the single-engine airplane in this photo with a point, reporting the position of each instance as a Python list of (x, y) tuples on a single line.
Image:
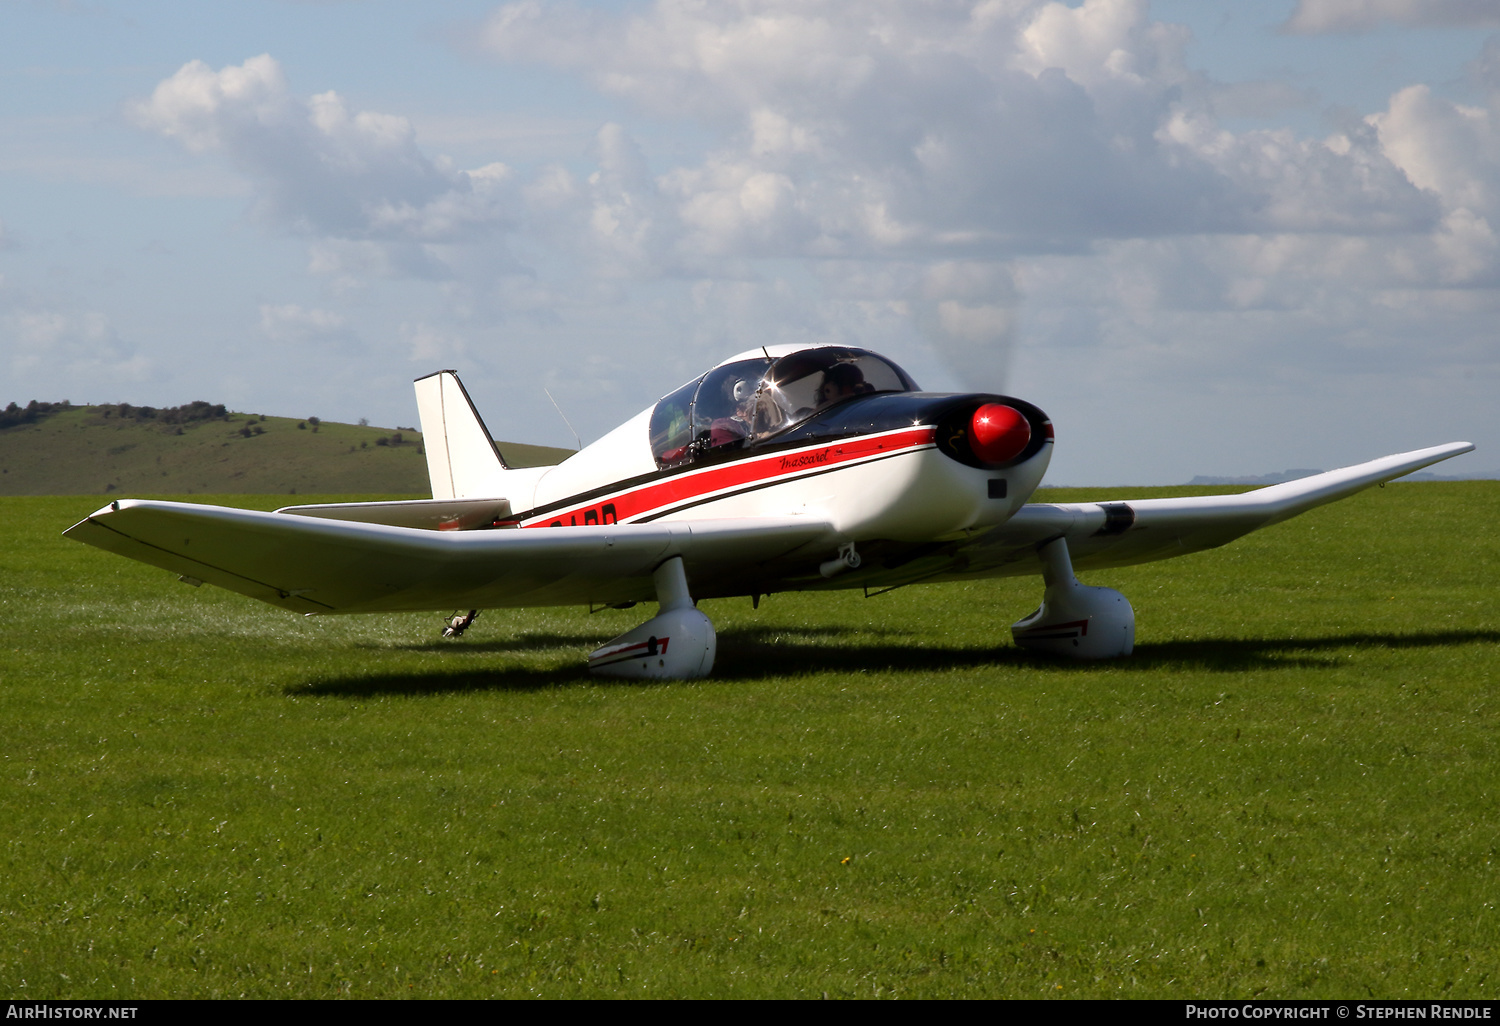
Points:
[(783, 468)]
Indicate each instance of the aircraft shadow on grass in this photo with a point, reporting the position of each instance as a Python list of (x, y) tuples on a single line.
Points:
[(538, 640), (762, 652), (1233, 655)]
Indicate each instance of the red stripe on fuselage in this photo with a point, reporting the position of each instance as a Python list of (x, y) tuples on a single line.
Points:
[(685, 488)]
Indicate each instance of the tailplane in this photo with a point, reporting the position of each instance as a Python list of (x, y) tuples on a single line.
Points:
[(462, 461)]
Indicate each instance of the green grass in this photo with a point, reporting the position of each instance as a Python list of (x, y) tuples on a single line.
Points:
[(1290, 790), (81, 451)]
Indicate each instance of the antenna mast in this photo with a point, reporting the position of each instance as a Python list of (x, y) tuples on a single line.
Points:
[(564, 416)]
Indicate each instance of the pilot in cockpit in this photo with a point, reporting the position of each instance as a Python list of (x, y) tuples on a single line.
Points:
[(841, 381), (739, 405)]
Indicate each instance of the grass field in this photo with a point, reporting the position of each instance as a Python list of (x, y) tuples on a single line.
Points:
[(1290, 790)]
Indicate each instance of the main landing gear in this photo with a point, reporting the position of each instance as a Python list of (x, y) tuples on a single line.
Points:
[(1075, 620), (676, 644)]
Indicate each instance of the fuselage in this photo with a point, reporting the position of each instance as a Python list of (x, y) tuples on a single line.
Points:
[(894, 465)]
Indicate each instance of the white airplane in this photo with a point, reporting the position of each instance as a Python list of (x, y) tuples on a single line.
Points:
[(781, 469)]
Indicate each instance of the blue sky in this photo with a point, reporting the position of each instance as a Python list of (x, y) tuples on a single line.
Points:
[(1207, 237)]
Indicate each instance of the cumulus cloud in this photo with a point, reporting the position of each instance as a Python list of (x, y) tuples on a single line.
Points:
[(958, 132), (79, 345), (625, 214), (318, 168), (1453, 151), (962, 140), (862, 128), (975, 174), (1316, 16), (58, 345), (954, 131), (429, 344), (292, 324)]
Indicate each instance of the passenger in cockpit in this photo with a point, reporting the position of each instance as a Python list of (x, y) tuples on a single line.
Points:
[(736, 426)]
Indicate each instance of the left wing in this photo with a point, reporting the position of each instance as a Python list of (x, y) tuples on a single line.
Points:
[(1125, 532), (309, 564), (1106, 534)]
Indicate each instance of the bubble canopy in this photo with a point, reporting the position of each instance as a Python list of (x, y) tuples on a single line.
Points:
[(748, 400)]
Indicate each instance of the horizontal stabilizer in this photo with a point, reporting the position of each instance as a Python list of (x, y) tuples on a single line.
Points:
[(422, 514)]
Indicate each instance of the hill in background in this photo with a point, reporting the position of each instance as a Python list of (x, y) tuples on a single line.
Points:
[(124, 450)]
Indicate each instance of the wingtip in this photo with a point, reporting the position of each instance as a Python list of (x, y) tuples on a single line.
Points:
[(1419, 458), (1446, 451), (1428, 456), (78, 529)]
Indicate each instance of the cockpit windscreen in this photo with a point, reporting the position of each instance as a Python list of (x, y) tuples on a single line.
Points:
[(743, 403)]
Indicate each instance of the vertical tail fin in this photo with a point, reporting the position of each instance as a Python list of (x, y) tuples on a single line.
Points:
[(462, 461)]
